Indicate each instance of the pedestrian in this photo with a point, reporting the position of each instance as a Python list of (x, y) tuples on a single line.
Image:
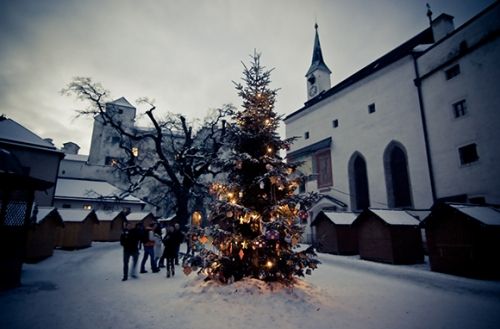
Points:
[(130, 241), (148, 243), (169, 251), (179, 238), (158, 249)]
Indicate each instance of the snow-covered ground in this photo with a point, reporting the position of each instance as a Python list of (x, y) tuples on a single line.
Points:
[(83, 289)]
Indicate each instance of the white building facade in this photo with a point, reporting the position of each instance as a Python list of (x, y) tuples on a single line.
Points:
[(393, 134)]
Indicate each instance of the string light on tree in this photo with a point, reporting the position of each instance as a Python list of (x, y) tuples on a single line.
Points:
[(254, 232)]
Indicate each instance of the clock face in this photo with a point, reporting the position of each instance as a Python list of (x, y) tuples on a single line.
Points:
[(313, 90)]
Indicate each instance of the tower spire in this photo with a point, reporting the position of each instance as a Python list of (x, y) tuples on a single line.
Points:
[(317, 62)]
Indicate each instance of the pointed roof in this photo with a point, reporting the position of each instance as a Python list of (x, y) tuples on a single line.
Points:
[(317, 59), (122, 102), (13, 132)]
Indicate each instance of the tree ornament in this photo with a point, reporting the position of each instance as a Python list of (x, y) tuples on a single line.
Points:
[(241, 254), (269, 167), (262, 185)]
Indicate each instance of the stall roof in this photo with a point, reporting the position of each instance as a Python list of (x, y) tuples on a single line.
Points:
[(484, 214), (138, 215), (339, 218), (395, 217), (107, 216)]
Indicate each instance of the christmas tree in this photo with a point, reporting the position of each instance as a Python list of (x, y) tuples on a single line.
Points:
[(254, 223)]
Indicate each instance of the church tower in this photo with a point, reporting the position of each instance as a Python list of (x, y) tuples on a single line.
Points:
[(318, 75)]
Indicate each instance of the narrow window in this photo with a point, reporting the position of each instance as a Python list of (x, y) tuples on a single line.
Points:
[(460, 108), (324, 168), (371, 108), (135, 151), (452, 72), (306, 135), (335, 123), (468, 154)]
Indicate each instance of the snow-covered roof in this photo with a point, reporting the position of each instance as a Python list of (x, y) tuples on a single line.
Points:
[(122, 101), (43, 212), (485, 215), (168, 219), (76, 157), (12, 131), (395, 217), (341, 218), (107, 216), (74, 215), (87, 189), (137, 215)]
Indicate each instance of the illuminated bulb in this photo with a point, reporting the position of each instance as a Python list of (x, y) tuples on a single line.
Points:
[(230, 195), (269, 149), (267, 122), (269, 264)]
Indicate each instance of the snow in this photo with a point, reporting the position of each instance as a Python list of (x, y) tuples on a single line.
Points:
[(12, 131), (341, 218), (82, 289), (74, 215), (106, 216), (88, 189), (133, 216), (76, 157), (395, 217), (42, 213), (485, 215)]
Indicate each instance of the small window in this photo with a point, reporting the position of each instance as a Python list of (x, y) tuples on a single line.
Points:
[(306, 135), (468, 154), (335, 123), (135, 151), (460, 108), (120, 111), (452, 72), (371, 108)]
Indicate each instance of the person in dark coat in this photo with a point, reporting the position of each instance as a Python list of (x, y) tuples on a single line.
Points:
[(130, 240), (169, 252), (179, 238)]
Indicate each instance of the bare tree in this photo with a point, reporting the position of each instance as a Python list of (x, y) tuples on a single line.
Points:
[(176, 159)]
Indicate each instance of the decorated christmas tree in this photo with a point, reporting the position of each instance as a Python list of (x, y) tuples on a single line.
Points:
[(254, 227)]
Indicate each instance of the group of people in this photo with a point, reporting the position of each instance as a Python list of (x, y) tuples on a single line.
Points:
[(157, 247)]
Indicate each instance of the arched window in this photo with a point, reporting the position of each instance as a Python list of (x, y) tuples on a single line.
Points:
[(397, 177), (358, 179)]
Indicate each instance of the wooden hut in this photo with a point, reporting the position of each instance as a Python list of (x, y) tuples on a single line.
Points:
[(389, 236), (335, 232), (42, 235), (78, 228), (146, 218), (110, 225), (464, 239)]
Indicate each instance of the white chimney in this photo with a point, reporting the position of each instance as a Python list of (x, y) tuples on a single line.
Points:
[(442, 26)]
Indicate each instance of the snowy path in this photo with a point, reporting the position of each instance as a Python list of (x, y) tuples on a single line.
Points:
[(82, 289)]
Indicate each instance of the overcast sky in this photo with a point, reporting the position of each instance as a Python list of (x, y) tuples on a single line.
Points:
[(184, 54)]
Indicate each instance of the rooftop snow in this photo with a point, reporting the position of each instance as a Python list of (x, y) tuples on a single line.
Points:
[(485, 215), (395, 217), (76, 157), (43, 212), (14, 132), (341, 218), (106, 216), (137, 215), (88, 189), (74, 215)]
